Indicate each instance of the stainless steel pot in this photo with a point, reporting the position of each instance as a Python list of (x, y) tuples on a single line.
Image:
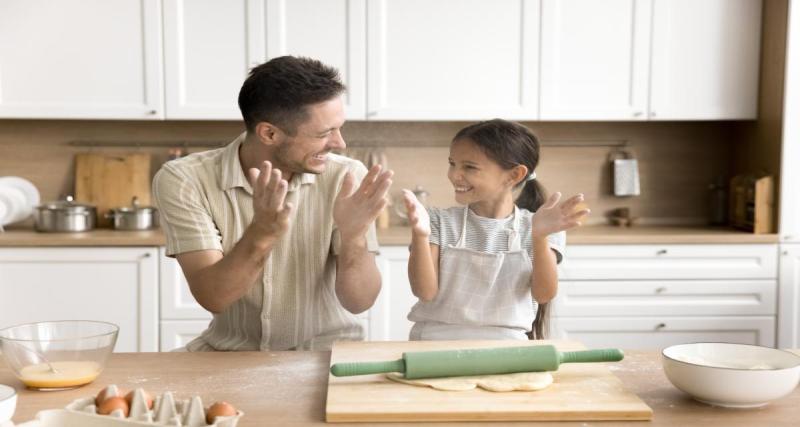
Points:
[(134, 217), (64, 216)]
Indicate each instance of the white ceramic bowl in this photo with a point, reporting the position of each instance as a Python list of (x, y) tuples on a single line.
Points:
[(731, 375), (8, 403)]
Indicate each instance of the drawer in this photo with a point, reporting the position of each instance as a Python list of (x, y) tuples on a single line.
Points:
[(632, 262), (666, 297), (649, 333)]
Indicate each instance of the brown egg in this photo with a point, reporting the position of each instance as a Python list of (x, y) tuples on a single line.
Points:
[(147, 399), (101, 397), (219, 409), (112, 404)]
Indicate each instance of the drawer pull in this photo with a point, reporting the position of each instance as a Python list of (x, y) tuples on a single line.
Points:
[(660, 290), (661, 252), (661, 326)]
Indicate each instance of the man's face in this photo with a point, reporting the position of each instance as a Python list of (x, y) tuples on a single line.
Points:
[(307, 150)]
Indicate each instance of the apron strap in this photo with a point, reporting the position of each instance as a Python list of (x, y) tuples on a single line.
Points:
[(462, 239), (514, 241)]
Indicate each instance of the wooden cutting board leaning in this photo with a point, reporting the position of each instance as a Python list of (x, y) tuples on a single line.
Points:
[(580, 391), (110, 181)]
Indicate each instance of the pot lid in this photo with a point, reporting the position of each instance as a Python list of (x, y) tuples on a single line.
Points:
[(134, 207), (68, 204)]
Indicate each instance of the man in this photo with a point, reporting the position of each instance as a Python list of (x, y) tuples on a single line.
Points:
[(270, 230)]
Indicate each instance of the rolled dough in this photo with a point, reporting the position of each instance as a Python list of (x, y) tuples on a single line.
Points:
[(524, 381)]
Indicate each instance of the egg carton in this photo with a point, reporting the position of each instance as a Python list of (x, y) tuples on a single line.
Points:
[(167, 411)]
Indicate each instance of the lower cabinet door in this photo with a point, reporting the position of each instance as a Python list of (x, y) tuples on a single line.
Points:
[(117, 285), (387, 317), (652, 333), (177, 333)]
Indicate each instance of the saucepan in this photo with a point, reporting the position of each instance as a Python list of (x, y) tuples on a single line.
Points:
[(134, 217), (64, 216)]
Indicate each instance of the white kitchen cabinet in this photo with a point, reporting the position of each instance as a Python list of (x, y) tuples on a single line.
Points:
[(388, 316), (178, 333), (75, 59), (181, 317), (705, 59), (789, 290), (670, 261), (207, 55), (653, 296), (666, 297), (595, 59), (117, 285), (452, 59), (333, 31), (789, 224), (650, 333), (210, 47)]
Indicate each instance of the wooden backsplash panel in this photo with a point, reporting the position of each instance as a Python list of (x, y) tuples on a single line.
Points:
[(677, 160)]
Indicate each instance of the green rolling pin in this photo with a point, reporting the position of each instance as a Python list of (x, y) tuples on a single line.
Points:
[(482, 361)]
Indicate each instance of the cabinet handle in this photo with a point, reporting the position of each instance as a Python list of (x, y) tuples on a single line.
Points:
[(785, 252), (661, 252), (146, 255), (661, 326), (152, 112), (637, 114), (660, 289), (652, 114)]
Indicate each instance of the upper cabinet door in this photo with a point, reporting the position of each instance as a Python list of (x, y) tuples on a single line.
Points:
[(207, 56), (80, 59), (452, 59), (705, 59), (790, 157), (595, 59), (332, 31)]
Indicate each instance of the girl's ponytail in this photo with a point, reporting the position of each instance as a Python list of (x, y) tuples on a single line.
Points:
[(532, 198)]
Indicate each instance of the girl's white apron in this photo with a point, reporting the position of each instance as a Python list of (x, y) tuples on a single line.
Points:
[(481, 295)]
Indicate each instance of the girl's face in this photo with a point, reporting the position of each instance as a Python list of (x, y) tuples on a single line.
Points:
[(476, 178)]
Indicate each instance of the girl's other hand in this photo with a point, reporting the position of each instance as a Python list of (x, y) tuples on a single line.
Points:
[(552, 217), (417, 215)]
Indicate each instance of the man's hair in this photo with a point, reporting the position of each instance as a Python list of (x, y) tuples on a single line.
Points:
[(278, 91)]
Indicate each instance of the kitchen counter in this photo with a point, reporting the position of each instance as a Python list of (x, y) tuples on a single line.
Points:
[(289, 388), (593, 234)]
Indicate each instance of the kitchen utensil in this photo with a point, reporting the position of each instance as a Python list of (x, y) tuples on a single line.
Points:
[(752, 202), (8, 403), (484, 361), (64, 216), (133, 217), (731, 375), (626, 173), (581, 391), (77, 349), (108, 181)]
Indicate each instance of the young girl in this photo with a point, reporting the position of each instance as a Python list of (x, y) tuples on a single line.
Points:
[(475, 268)]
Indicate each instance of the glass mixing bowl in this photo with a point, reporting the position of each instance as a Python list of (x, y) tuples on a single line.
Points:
[(60, 354)]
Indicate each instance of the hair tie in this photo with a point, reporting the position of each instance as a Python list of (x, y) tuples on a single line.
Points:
[(531, 177)]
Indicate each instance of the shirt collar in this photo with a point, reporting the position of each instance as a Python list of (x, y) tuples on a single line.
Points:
[(233, 175)]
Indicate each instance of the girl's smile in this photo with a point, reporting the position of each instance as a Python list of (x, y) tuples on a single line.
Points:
[(479, 181)]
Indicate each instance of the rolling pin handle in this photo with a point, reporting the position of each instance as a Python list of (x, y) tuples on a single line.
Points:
[(588, 356), (366, 368)]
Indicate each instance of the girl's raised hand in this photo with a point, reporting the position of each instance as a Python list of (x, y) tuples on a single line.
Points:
[(417, 215), (552, 217)]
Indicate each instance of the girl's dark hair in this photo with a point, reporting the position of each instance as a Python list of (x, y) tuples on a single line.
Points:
[(511, 144), (278, 91)]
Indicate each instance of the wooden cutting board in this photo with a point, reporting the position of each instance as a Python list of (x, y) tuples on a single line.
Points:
[(111, 180), (580, 392)]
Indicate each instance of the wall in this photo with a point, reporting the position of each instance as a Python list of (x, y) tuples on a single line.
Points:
[(677, 160)]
